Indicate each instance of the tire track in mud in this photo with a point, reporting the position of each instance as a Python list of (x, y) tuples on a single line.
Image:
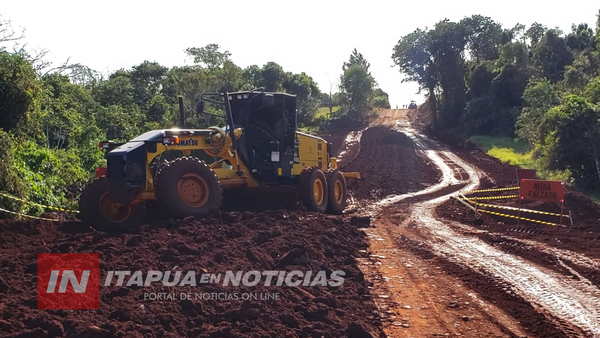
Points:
[(351, 142), (573, 305)]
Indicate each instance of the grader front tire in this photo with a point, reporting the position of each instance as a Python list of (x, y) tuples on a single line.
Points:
[(97, 208), (312, 189), (337, 192), (188, 187)]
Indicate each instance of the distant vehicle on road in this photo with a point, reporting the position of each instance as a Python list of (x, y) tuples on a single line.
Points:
[(412, 105)]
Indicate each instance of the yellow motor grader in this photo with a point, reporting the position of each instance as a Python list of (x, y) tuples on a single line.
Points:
[(259, 146)]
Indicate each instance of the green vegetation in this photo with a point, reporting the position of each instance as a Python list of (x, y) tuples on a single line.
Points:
[(358, 93), (505, 149), (537, 84), (487, 143), (510, 156), (323, 112)]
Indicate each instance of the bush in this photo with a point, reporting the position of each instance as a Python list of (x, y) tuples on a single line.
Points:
[(48, 173), (10, 181)]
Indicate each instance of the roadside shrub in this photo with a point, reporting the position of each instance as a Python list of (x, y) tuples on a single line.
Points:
[(10, 181)]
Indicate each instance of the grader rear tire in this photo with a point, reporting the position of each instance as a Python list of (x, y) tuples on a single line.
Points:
[(336, 184), (96, 208), (312, 189), (188, 187)]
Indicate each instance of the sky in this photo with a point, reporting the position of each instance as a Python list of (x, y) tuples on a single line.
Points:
[(316, 37)]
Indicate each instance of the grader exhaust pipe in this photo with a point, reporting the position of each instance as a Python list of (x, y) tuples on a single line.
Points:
[(181, 113)]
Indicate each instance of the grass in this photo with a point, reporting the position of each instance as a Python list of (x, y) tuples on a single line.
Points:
[(486, 143), (324, 111), (505, 149), (509, 150)]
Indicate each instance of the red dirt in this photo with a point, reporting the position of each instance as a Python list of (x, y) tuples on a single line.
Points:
[(336, 139), (230, 241), (388, 164)]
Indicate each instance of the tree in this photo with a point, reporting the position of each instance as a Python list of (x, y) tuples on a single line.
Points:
[(208, 56), (9, 179), (253, 75), (592, 91), (515, 53), (484, 37), (189, 82), (161, 111), (82, 75), (68, 109), (117, 90), (307, 92), (412, 55), (272, 77), (535, 33), (381, 99), (147, 81), (447, 44), (356, 58), (552, 55), (357, 85), (479, 111), (579, 73), (575, 127), (18, 91), (7, 33), (538, 97), (581, 37), (598, 29), (230, 77)]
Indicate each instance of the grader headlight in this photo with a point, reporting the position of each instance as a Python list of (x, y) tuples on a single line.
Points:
[(103, 145), (173, 140)]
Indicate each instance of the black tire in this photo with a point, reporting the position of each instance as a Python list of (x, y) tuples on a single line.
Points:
[(311, 179), (188, 187), (336, 184), (96, 208)]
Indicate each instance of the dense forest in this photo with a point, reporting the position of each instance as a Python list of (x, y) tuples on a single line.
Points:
[(537, 84), (53, 117)]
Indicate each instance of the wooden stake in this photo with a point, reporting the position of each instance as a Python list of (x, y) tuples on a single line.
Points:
[(519, 213), (561, 211)]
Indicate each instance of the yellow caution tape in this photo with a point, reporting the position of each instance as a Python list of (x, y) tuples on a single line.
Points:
[(516, 209), (29, 216), (521, 218), (37, 204), (511, 216), (490, 190), (493, 197)]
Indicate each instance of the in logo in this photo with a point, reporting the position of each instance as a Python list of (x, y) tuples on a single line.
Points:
[(68, 281)]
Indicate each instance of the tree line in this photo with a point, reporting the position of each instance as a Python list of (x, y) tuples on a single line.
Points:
[(52, 118), (537, 84)]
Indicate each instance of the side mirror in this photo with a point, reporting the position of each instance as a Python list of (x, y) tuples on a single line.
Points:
[(200, 107)]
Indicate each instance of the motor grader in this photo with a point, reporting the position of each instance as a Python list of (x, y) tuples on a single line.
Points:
[(259, 146)]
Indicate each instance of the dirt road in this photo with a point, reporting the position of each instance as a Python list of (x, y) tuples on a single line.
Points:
[(439, 278)]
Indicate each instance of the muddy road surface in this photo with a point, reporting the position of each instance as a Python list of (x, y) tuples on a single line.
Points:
[(444, 276)]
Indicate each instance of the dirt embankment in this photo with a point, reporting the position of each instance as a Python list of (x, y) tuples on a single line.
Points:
[(265, 241), (388, 164)]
